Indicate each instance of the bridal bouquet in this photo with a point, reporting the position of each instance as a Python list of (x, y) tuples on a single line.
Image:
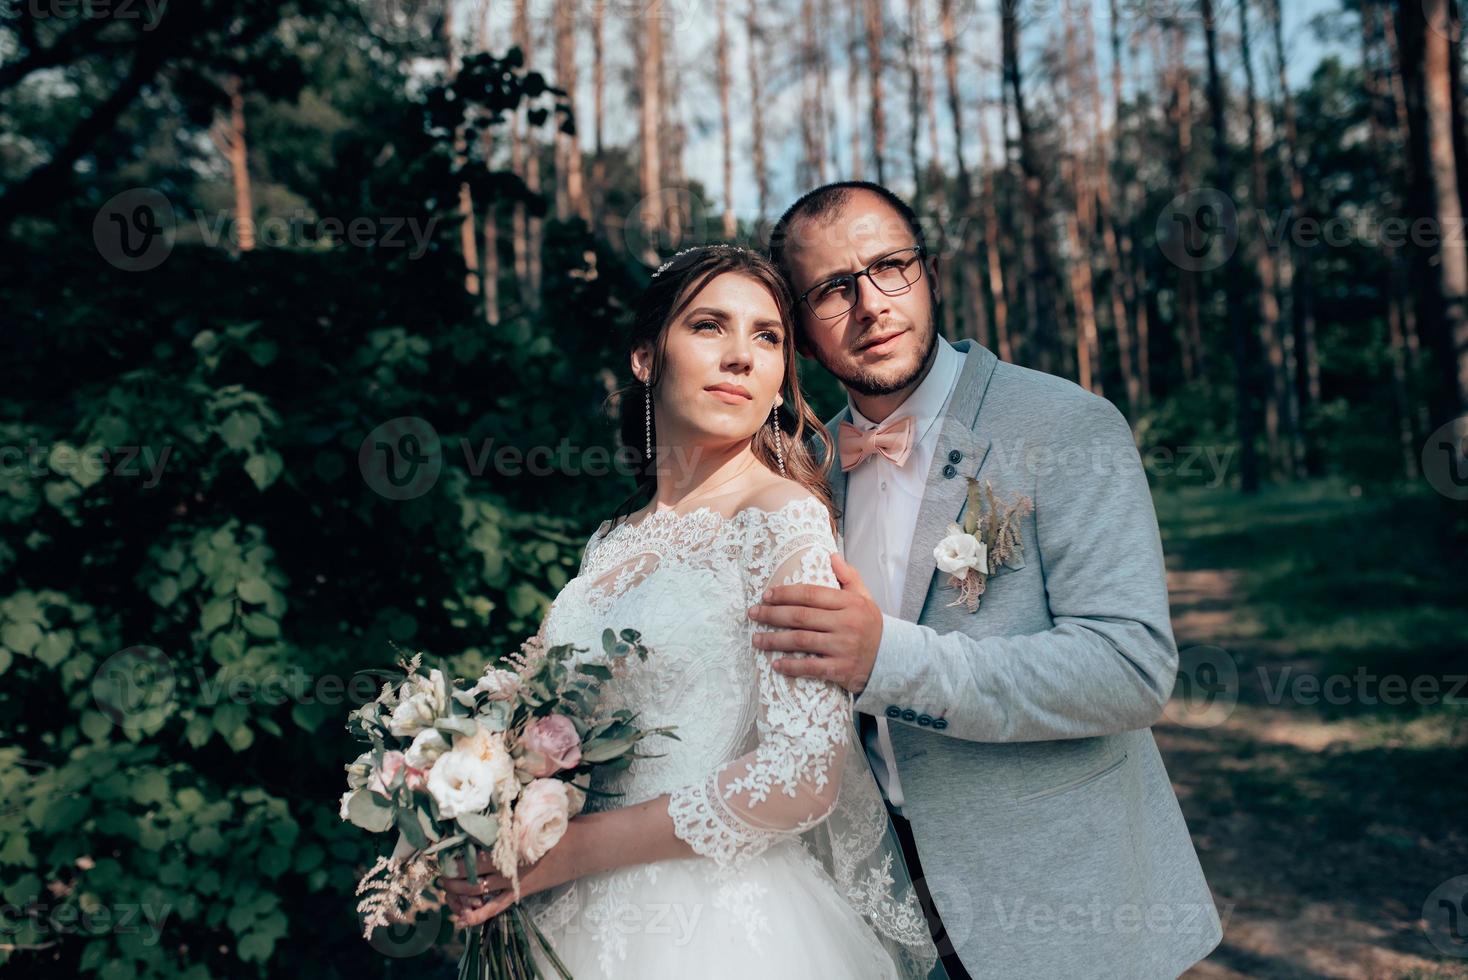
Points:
[(498, 767)]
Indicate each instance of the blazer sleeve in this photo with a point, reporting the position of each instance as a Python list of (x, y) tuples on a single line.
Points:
[(1109, 661)]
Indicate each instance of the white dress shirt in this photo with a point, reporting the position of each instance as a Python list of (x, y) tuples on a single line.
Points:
[(882, 502)]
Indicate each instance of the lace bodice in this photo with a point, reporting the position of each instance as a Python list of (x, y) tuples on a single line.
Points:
[(757, 752), (759, 757)]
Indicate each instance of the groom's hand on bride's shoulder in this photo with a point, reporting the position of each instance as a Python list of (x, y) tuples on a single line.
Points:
[(839, 628)]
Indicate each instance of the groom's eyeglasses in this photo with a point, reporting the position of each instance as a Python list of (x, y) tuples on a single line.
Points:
[(892, 273)]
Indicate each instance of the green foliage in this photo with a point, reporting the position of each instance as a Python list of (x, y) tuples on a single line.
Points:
[(196, 553)]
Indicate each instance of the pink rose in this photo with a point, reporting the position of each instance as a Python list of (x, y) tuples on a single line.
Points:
[(382, 779), (551, 744), (392, 762)]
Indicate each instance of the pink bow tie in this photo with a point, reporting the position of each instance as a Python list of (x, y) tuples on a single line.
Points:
[(892, 439)]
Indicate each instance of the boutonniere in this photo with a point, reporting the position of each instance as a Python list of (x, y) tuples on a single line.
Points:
[(987, 538)]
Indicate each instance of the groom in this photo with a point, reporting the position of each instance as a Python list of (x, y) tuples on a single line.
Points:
[(1012, 742)]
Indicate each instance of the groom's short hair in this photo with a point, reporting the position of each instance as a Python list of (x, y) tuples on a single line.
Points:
[(822, 204)]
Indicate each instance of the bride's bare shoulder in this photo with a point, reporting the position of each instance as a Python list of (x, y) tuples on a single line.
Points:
[(777, 493)]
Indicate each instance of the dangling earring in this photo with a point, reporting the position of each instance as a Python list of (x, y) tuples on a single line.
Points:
[(775, 424), (647, 417)]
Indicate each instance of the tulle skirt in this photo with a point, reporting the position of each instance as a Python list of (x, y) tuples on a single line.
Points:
[(778, 918)]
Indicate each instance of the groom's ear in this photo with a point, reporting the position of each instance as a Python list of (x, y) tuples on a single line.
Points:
[(935, 281)]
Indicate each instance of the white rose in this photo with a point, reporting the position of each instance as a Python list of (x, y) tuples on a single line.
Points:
[(541, 817), (500, 685), (427, 746), (958, 553), (359, 771), (469, 776), (420, 705), (347, 802)]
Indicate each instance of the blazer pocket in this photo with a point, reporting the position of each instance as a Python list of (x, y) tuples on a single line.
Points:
[(1075, 783)]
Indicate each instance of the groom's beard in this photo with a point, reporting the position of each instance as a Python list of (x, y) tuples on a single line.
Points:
[(870, 384)]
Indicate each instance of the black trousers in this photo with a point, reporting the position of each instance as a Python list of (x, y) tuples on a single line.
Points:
[(939, 933)]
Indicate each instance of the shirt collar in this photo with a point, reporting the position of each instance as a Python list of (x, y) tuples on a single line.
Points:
[(926, 402)]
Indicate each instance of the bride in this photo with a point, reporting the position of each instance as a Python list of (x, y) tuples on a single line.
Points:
[(756, 844)]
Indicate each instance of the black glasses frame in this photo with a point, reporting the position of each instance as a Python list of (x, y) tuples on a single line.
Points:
[(854, 276)]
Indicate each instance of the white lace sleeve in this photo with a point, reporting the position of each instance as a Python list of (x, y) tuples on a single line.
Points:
[(789, 781)]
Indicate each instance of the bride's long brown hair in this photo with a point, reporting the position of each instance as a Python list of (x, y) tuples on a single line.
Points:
[(666, 297)]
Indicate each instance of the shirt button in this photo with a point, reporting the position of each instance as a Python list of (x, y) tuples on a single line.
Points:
[(954, 456), (884, 484)]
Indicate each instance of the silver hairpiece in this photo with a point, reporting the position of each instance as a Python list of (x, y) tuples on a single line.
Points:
[(697, 248)]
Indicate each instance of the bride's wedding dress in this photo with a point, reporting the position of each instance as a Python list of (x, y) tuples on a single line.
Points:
[(798, 875)]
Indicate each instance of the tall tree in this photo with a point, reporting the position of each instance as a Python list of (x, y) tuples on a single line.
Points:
[(874, 33), (1240, 335), (570, 178), (650, 92), (490, 225), (598, 105), (1180, 113), (1279, 403), (468, 231), (1398, 310), (726, 126), (1295, 281), (1039, 269), (1426, 52), (229, 137), (757, 62)]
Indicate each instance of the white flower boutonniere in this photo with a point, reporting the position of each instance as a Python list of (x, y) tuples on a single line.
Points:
[(988, 537)]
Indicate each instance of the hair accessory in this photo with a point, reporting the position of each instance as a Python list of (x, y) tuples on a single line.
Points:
[(722, 246)]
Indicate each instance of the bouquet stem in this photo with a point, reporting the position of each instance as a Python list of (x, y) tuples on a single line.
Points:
[(505, 949)]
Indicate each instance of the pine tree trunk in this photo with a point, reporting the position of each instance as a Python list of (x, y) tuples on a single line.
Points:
[(853, 87), (570, 179), (489, 229), (230, 139), (874, 82), (1452, 264), (726, 127), (598, 109), (1240, 335), (1375, 87), (1298, 286), (914, 107), (757, 62), (1180, 112), (1279, 420), (651, 116), (1401, 135), (1040, 278)]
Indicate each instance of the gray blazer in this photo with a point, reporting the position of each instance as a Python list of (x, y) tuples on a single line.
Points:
[(1052, 841)]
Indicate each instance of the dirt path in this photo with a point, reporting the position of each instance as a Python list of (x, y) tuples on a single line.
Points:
[(1315, 871)]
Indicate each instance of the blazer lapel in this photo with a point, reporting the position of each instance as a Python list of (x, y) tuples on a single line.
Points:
[(835, 475), (944, 496)]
